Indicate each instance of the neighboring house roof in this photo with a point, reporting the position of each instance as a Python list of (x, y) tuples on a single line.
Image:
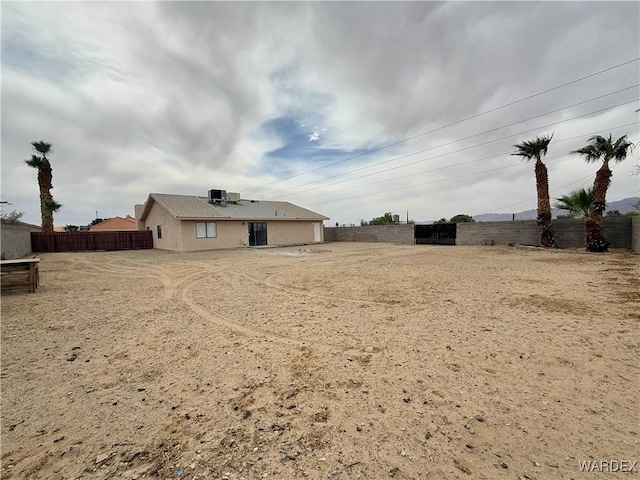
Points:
[(116, 223), (191, 207)]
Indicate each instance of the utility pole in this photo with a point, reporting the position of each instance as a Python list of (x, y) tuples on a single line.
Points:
[(407, 217)]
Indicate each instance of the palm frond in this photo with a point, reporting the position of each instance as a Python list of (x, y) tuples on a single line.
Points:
[(589, 152), (536, 148), (52, 206), (605, 149), (35, 162), (579, 202), (621, 148), (42, 147)]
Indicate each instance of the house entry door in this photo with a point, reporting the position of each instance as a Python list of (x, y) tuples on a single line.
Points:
[(257, 233)]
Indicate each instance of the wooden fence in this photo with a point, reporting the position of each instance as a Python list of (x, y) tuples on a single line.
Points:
[(85, 241)]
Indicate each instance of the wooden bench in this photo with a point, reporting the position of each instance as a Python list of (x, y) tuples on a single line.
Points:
[(20, 274)]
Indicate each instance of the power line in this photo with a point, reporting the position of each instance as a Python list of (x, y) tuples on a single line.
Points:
[(583, 180), (404, 187), (495, 210), (439, 168), (453, 123), (497, 139), (459, 140)]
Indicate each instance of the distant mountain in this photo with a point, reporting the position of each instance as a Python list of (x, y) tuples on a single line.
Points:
[(623, 206)]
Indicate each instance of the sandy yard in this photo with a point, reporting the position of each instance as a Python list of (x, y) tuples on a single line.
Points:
[(344, 360)]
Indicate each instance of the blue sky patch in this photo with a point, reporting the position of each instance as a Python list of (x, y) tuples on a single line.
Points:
[(301, 144), (21, 54)]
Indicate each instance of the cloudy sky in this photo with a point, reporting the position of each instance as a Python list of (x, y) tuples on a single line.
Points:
[(349, 109)]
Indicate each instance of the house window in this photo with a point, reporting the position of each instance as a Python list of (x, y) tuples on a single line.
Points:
[(206, 230), (159, 231)]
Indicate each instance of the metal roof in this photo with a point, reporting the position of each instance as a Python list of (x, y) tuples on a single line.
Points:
[(295, 211), (183, 206), (191, 207)]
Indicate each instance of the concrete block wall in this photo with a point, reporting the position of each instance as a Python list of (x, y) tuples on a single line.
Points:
[(569, 232), (16, 241), (524, 232), (622, 232), (373, 233), (328, 234), (617, 231)]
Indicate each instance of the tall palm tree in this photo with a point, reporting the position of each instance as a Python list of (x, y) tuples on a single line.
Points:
[(537, 148), (605, 150), (579, 202), (45, 181)]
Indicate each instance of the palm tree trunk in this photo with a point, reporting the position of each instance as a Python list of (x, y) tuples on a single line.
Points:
[(593, 235), (595, 241), (547, 238), (45, 182)]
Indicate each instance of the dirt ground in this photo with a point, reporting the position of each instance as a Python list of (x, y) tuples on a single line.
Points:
[(343, 360)]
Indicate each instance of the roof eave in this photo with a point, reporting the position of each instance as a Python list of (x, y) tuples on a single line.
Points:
[(147, 207), (202, 219), (252, 219)]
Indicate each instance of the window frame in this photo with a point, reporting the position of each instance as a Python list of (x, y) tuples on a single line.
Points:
[(207, 228)]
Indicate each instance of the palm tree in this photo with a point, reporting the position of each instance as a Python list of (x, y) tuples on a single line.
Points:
[(579, 202), (537, 149), (45, 181), (605, 150)]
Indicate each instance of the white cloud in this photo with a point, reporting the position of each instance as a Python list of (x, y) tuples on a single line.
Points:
[(172, 97)]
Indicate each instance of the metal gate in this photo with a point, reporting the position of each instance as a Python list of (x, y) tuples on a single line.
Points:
[(436, 234)]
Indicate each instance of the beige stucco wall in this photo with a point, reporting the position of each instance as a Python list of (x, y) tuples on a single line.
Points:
[(235, 233), (231, 234), (138, 209), (171, 231), (180, 235), (288, 233)]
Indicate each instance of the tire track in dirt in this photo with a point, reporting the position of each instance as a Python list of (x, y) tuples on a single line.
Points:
[(186, 296), (170, 287), (181, 290), (109, 268), (121, 271), (268, 282)]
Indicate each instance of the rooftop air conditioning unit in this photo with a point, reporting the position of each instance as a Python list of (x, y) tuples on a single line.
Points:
[(233, 197), (217, 196)]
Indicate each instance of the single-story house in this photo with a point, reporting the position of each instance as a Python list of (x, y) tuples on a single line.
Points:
[(223, 220), (116, 224)]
